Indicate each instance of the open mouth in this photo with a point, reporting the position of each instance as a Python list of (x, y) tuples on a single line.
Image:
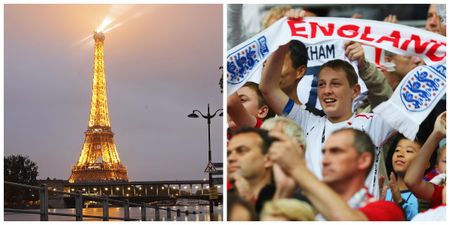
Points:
[(329, 100)]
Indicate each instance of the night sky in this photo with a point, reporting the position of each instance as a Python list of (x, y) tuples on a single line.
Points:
[(161, 63)]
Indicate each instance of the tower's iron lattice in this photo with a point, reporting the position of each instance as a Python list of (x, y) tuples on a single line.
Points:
[(99, 160)]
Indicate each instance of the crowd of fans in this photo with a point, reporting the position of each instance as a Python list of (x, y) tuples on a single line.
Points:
[(291, 161)]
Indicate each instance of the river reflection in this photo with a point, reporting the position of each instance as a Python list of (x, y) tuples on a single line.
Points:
[(201, 214)]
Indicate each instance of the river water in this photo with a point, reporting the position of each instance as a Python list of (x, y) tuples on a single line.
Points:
[(202, 214)]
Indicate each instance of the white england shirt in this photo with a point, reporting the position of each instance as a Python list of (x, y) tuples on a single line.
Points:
[(317, 129)]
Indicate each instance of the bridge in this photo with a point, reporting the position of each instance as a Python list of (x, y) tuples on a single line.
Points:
[(135, 191)]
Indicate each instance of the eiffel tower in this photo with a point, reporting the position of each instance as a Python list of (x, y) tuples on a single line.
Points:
[(99, 160)]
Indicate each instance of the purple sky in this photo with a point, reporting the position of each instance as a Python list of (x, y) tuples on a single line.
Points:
[(159, 67)]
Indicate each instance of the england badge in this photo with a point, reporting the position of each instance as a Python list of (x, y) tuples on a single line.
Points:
[(422, 87), (243, 61)]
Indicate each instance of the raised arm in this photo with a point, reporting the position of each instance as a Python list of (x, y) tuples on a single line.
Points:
[(291, 159), (270, 80), (376, 82), (414, 175), (271, 76)]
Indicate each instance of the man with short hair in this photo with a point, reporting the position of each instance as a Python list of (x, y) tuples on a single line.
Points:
[(337, 88), (247, 108), (285, 186), (294, 68), (249, 166), (347, 159)]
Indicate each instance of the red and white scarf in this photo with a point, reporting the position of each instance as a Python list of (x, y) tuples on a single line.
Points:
[(414, 98), (248, 57)]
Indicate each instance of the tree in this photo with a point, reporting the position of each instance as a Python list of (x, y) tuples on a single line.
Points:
[(221, 79), (19, 169)]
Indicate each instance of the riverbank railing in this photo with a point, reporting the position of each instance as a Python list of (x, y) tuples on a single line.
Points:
[(79, 197)]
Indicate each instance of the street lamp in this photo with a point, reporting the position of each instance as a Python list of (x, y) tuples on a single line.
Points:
[(208, 117)]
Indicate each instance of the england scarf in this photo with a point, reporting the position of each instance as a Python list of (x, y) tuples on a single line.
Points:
[(414, 98), (247, 58)]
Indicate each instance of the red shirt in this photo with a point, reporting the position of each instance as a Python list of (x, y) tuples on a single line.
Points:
[(229, 185), (436, 198), (259, 122), (382, 211), (430, 175)]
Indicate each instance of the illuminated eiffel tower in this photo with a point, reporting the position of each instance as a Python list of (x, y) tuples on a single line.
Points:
[(99, 160)]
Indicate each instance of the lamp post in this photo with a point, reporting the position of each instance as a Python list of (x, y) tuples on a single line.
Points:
[(208, 117)]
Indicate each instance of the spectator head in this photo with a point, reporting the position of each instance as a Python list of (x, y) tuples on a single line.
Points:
[(432, 23), (403, 152), (287, 210), (391, 75), (274, 14), (347, 154), (247, 153), (337, 87), (253, 102), (403, 64), (278, 12), (442, 14), (287, 126), (294, 66)]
